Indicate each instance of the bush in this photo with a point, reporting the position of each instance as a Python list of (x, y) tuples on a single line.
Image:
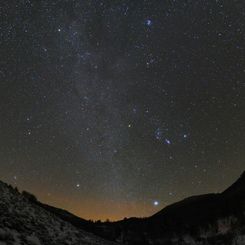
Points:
[(33, 240), (6, 235), (29, 196)]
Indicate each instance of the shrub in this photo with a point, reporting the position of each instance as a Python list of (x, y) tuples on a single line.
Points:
[(29, 196)]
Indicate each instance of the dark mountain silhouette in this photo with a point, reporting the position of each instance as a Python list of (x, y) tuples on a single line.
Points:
[(209, 219), (237, 189)]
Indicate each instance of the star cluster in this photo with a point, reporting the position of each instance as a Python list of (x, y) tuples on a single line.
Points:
[(112, 109)]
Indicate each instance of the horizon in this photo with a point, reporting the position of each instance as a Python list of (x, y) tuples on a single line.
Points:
[(105, 218)]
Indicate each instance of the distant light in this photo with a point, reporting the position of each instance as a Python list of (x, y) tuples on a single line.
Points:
[(167, 141), (59, 30), (185, 135), (156, 203), (78, 185)]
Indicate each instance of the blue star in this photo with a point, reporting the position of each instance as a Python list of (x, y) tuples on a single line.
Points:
[(148, 22), (167, 141), (158, 134)]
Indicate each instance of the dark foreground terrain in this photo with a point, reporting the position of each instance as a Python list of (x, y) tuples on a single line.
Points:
[(23, 222), (205, 220)]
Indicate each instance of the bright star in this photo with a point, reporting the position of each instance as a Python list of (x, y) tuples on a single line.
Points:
[(155, 203), (148, 22)]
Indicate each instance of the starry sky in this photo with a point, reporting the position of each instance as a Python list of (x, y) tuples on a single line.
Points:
[(113, 109)]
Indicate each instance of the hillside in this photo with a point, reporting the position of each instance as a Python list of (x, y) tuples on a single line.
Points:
[(24, 222)]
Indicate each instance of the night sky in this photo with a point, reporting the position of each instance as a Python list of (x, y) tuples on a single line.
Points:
[(112, 109)]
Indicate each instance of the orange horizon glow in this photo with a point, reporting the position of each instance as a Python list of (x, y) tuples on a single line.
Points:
[(96, 209), (93, 208)]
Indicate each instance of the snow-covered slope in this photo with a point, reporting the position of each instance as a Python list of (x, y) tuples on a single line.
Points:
[(23, 222)]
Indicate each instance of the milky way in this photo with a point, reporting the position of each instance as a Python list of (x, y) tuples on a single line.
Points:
[(113, 109)]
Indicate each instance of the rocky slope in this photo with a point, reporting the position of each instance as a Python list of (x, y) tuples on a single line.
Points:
[(24, 222)]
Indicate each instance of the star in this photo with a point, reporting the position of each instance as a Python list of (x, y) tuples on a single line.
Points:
[(156, 203), (168, 142), (158, 134), (148, 22)]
